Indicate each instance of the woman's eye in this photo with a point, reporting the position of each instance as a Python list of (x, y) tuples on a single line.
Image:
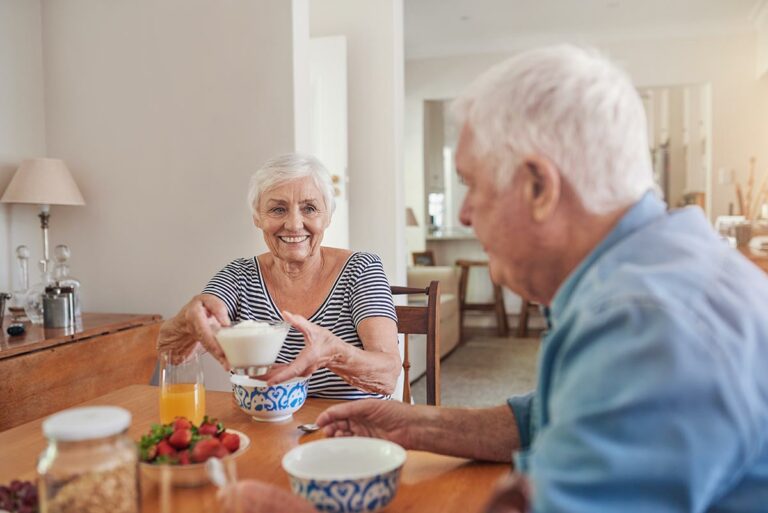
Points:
[(309, 209), (277, 210)]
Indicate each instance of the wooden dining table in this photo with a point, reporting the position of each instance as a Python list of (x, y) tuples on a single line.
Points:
[(429, 482)]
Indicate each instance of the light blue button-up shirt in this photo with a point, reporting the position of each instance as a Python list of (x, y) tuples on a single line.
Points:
[(652, 393)]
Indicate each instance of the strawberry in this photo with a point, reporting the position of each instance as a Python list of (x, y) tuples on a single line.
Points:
[(207, 429), (181, 423), (184, 458), (181, 438), (221, 452), (204, 449), (165, 449), (230, 440)]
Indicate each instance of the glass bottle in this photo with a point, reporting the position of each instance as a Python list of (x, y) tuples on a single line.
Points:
[(90, 463), (16, 308), (61, 275), (33, 299)]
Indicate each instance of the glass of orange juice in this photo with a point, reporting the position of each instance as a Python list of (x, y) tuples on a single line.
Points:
[(182, 390)]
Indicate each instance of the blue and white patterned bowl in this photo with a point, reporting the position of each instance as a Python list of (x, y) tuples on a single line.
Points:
[(265, 403), (345, 475)]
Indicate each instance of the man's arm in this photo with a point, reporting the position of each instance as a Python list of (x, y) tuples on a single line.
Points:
[(488, 434), (485, 434)]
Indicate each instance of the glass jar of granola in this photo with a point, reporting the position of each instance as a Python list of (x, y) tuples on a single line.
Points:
[(89, 465)]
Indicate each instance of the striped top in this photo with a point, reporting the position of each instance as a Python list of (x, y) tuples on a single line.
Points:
[(360, 291)]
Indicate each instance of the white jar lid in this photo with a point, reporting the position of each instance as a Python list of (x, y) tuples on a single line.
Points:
[(86, 423)]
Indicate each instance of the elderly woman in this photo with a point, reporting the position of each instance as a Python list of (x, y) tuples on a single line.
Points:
[(338, 302)]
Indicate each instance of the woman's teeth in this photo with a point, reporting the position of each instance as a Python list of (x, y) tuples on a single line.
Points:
[(293, 240)]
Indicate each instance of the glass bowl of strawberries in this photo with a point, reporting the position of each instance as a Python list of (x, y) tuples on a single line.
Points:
[(183, 448)]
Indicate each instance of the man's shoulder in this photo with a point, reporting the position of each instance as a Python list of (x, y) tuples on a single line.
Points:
[(675, 263)]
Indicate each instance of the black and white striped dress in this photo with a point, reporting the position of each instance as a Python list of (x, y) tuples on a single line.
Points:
[(360, 291)]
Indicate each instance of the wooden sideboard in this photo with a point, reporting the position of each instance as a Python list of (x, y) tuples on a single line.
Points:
[(46, 370)]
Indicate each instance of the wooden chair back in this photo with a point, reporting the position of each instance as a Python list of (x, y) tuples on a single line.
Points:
[(421, 320)]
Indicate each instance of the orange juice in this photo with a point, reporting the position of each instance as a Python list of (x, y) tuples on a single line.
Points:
[(182, 400)]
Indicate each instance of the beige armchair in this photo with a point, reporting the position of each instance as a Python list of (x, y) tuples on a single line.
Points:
[(420, 276)]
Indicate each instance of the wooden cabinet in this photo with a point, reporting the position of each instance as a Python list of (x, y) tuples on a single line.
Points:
[(44, 371)]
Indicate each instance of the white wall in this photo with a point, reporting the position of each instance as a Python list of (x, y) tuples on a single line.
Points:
[(22, 121), (374, 32), (328, 120), (162, 110), (727, 62)]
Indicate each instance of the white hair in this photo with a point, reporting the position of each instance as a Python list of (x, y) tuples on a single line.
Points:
[(285, 168), (572, 106)]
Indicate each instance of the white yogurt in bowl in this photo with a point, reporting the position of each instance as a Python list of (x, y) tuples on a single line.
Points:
[(252, 343)]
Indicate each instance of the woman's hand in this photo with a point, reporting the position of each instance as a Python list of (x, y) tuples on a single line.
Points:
[(258, 497), (195, 323), (373, 369), (320, 346)]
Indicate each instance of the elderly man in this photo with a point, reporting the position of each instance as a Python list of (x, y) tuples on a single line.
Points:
[(653, 377)]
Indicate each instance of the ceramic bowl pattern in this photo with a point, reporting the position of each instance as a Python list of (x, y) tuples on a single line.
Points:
[(269, 403), (346, 475)]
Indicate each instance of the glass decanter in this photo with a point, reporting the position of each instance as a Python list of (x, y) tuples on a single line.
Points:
[(16, 307), (33, 302), (62, 276)]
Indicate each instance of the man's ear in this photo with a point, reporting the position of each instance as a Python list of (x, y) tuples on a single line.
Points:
[(543, 186)]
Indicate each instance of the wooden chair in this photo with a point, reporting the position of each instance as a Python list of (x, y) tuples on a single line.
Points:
[(502, 325), (421, 320), (522, 321)]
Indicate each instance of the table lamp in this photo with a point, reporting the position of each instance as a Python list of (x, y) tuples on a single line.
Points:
[(43, 182)]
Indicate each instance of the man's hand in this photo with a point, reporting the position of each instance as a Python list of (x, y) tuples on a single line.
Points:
[(390, 420), (194, 323), (258, 497)]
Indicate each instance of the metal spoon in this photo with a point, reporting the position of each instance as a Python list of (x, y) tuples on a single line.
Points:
[(309, 428)]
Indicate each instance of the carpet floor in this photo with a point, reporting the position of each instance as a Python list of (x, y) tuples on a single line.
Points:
[(485, 370)]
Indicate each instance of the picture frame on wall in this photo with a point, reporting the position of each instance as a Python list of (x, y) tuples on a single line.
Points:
[(424, 258)]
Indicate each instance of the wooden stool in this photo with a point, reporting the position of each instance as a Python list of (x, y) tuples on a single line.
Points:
[(502, 327), (522, 321)]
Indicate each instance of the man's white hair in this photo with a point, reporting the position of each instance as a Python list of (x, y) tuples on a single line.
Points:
[(572, 106), (285, 168)]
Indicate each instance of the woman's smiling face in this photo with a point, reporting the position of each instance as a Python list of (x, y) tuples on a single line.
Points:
[(293, 217)]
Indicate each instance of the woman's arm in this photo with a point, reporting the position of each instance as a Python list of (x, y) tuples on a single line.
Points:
[(374, 369), (193, 324), (377, 368)]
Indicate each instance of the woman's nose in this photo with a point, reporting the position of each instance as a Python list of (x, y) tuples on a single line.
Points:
[(294, 220)]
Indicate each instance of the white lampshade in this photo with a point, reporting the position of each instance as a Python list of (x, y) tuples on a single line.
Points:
[(43, 182)]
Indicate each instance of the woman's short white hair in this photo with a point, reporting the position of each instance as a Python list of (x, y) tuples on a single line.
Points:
[(285, 168), (572, 106)]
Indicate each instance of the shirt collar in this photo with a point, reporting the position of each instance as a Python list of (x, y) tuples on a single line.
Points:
[(648, 208)]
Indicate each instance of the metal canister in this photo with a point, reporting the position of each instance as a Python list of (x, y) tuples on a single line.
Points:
[(58, 306)]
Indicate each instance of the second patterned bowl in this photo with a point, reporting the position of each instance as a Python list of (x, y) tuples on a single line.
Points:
[(265, 403)]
